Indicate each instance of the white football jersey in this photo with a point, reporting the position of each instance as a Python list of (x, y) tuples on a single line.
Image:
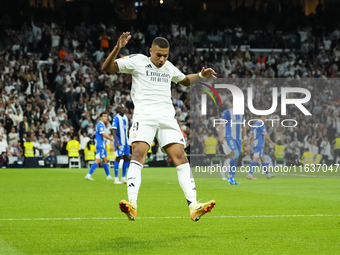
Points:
[(151, 85)]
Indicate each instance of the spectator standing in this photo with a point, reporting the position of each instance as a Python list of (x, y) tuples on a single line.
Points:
[(336, 147), (46, 148), (3, 145), (4, 161), (325, 149)]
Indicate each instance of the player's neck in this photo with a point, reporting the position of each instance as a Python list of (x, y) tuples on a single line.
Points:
[(155, 64)]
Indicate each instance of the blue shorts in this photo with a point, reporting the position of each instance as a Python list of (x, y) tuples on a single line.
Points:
[(234, 144), (123, 150), (259, 152), (101, 153)]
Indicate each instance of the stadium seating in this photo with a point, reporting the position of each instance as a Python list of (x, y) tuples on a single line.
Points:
[(246, 161), (62, 160), (280, 162), (89, 163), (76, 161), (216, 161)]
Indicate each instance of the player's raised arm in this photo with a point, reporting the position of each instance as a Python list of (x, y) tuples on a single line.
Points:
[(193, 78), (110, 65)]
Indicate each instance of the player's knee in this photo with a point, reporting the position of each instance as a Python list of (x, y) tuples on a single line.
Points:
[(138, 155), (180, 158)]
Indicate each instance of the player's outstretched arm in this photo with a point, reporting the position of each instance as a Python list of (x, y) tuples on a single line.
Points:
[(110, 65), (193, 78)]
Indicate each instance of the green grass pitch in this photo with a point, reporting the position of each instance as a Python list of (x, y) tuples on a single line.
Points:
[(56, 211)]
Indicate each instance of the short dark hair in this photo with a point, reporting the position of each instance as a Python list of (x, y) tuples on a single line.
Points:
[(102, 113), (161, 42)]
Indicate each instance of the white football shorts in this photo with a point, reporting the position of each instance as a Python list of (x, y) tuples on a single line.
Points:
[(146, 127), (226, 148)]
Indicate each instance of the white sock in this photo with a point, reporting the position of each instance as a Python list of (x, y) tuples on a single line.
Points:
[(134, 179), (227, 165), (187, 182)]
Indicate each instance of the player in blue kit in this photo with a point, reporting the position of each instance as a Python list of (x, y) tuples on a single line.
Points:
[(232, 141), (258, 133), (101, 148), (119, 130)]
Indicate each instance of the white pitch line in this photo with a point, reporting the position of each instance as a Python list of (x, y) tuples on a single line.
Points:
[(173, 217)]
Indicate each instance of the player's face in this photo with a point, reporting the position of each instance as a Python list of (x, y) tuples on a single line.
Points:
[(104, 118), (121, 110), (159, 55)]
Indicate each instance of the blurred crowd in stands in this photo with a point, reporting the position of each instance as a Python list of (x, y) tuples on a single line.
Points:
[(317, 133), (52, 86)]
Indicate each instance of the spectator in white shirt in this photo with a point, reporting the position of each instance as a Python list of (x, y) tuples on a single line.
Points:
[(55, 40), (3, 145), (46, 148), (83, 140), (13, 137), (55, 124), (3, 132), (14, 149), (9, 87), (325, 149), (66, 128), (336, 123), (36, 146), (314, 149), (99, 54), (80, 89), (327, 43), (90, 129), (296, 145)]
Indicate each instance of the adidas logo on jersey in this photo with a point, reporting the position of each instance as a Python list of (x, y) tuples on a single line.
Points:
[(148, 66)]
